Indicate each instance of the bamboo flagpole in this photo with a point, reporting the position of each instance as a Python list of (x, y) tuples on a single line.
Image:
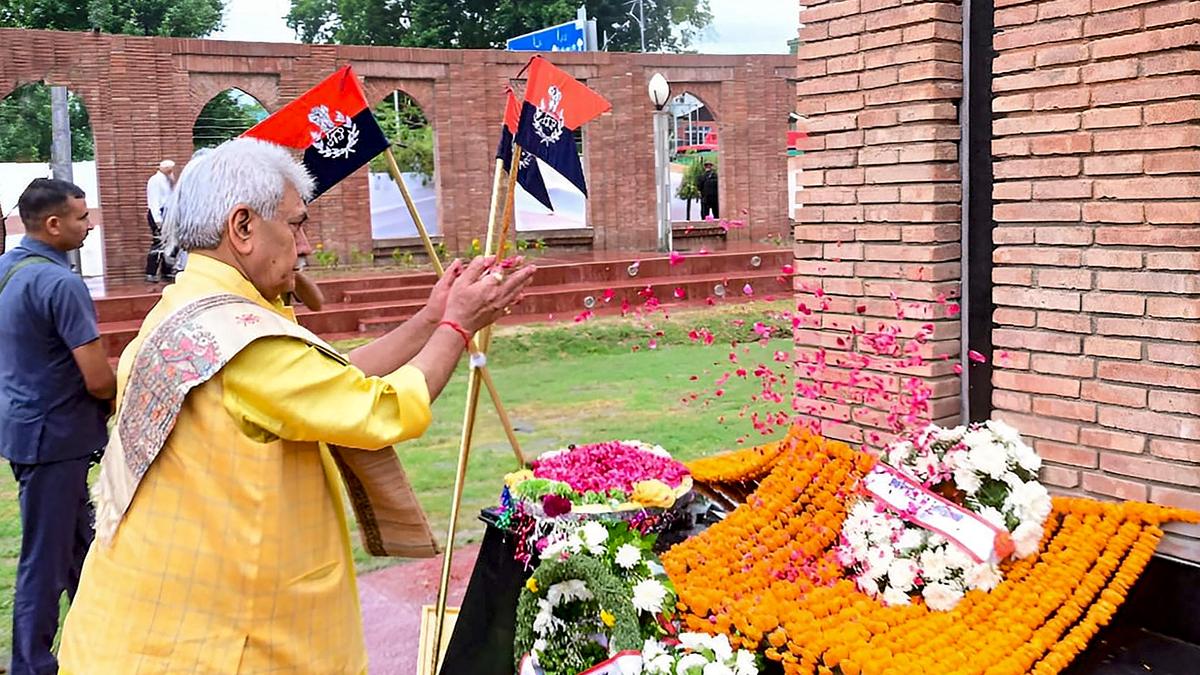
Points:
[(478, 362), (394, 169)]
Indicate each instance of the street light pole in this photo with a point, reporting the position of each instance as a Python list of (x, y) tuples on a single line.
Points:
[(660, 92), (60, 151)]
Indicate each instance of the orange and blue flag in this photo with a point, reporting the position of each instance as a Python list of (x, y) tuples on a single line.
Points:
[(529, 176), (555, 106), (332, 125)]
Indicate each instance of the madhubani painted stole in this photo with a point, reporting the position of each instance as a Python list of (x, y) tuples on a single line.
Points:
[(187, 349)]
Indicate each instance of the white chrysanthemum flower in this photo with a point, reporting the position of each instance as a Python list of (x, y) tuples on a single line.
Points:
[(1026, 457), (568, 591), (648, 595), (690, 661), (957, 558), (1030, 502), (899, 453), (878, 561), (978, 438), (993, 516), (911, 538), (948, 435), (983, 577), (988, 459), (1003, 431), (694, 641), (867, 585), (902, 574), (544, 622), (934, 564), (539, 645), (721, 647), (745, 663), (941, 597), (927, 467), (652, 649), (717, 668), (1011, 479), (967, 480), (593, 535), (1027, 538), (628, 556), (894, 597), (659, 665)]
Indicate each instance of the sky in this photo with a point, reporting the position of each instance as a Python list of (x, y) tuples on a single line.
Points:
[(738, 27)]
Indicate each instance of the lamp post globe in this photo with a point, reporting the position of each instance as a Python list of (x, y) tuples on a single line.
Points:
[(660, 90)]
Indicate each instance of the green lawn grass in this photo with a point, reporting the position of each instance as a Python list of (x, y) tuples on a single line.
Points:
[(561, 384)]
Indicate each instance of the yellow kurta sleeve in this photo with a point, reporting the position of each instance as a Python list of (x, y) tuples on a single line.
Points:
[(288, 389)]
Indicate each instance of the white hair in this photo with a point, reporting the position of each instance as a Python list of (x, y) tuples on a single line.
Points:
[(243, 171)]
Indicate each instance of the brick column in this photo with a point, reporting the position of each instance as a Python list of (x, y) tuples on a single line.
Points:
[(879, 80), (1097, 265)]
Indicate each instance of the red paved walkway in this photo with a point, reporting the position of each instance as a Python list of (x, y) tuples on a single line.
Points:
[(391, 607)]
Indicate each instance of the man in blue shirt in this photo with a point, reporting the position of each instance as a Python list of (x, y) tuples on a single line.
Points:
[(56, 391)]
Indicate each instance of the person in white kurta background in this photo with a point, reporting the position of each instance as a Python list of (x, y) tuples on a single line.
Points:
[(158, 189)]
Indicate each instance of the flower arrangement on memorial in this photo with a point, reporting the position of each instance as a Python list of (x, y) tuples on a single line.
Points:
[(940, 513), (597, 596), (599, 477), (629, 481), (697, 654), (769, 576)]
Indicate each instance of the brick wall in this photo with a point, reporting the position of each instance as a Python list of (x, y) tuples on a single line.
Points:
[(879, 81), (1097, 258), (143, 95)]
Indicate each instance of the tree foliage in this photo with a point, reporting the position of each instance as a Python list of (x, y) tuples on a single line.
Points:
[(166, 18), (671, 25), (225, 116), (25, 132), (404, 123), (25, 129)]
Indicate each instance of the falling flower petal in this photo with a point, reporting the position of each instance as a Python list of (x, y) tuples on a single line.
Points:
[(748, 289), (680, 293), (676, 258), (976, 356), (958, 369), (952, 309), (787, 270)]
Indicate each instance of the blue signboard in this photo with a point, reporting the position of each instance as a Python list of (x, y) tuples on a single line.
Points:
[(565, 37)]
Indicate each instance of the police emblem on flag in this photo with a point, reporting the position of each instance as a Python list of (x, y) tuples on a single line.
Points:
[(548, 121), (337, 132), (555, 106), (332, 125)]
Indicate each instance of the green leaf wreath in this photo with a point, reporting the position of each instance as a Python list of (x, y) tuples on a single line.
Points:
[(611, 596)]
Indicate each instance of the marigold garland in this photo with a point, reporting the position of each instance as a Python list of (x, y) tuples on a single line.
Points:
[(747, 464), (765, 576)]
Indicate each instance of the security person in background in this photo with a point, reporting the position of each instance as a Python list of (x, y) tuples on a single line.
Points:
[(56, 396)]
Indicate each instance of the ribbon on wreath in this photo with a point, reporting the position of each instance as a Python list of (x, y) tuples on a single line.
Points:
[(628, 662), (915, 503)]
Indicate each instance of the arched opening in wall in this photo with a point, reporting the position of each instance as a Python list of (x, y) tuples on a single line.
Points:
[(568, 204), (26, 138), (413, 144), (797, 133), (694, 164), (225, 116)]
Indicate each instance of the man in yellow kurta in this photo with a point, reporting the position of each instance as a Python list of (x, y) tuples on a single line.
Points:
[(226, 549)]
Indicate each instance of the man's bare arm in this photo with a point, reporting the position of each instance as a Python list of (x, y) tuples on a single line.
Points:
[(400, 345), (98, 376)]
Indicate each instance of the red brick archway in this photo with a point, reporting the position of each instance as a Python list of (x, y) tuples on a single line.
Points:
[(143, 95)]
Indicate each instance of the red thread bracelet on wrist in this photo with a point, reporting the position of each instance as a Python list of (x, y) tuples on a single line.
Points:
[(458, 329)]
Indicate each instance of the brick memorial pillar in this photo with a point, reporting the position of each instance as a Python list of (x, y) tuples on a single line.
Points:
[(878, 83), (1097, 259)]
